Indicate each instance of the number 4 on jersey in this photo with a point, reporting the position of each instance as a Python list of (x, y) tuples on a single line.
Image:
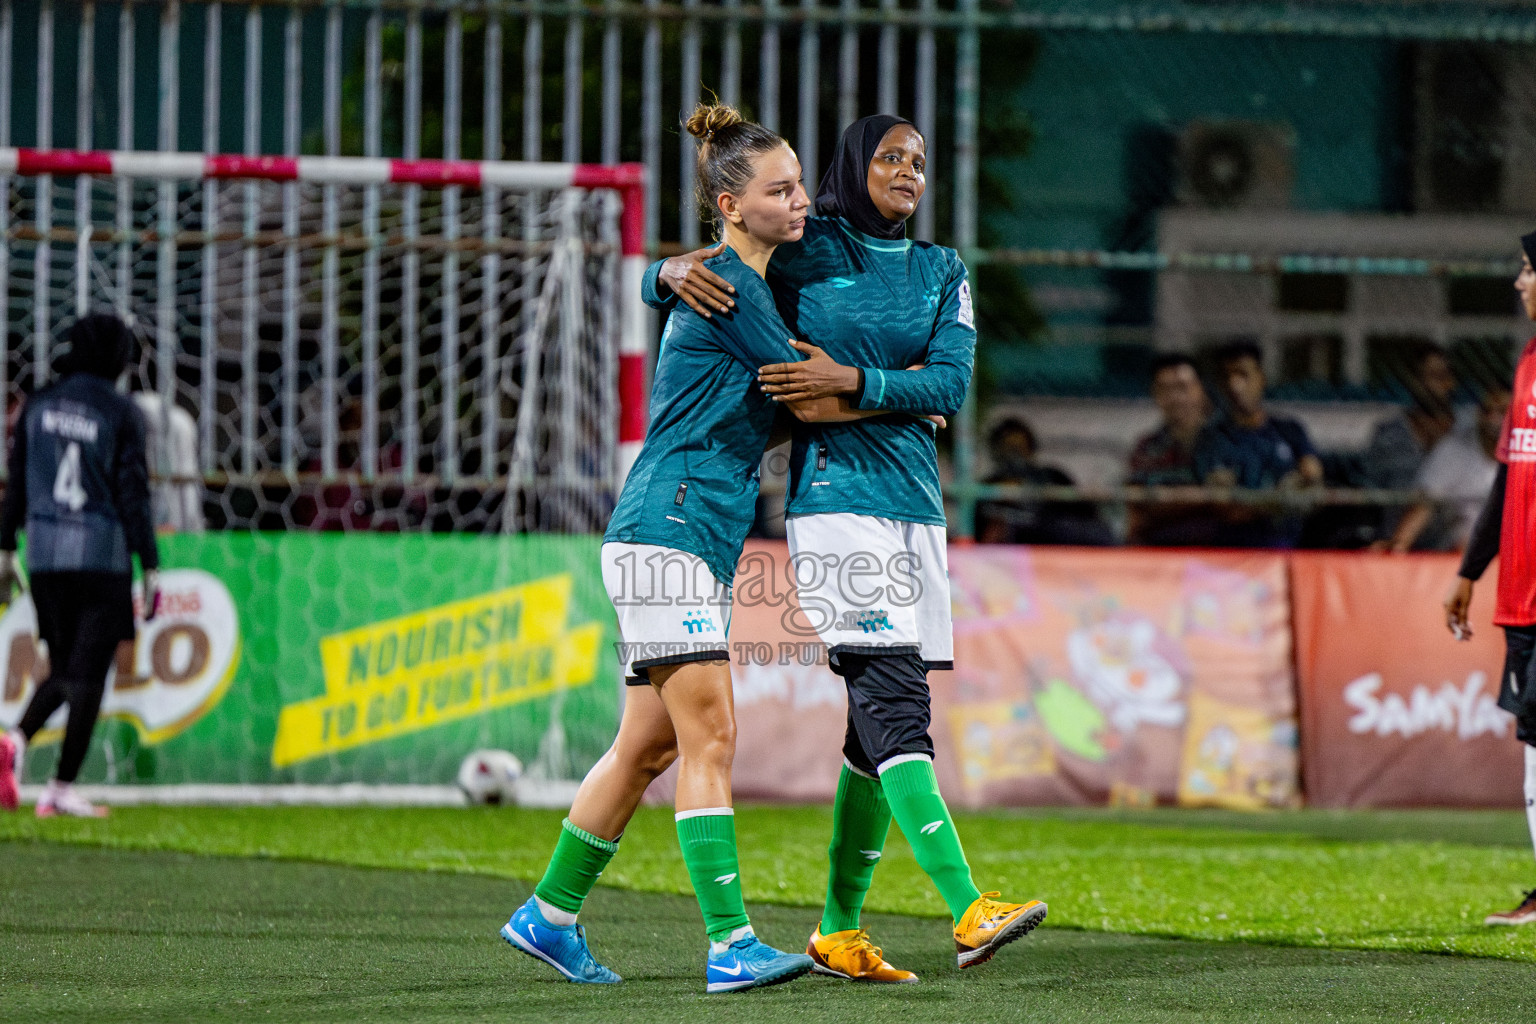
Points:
[(67, 489)]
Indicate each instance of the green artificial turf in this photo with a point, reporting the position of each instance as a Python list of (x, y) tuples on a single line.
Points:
[(92, 934), (1410, 881)]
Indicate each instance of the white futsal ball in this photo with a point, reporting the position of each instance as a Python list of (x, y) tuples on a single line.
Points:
[(490, 777)]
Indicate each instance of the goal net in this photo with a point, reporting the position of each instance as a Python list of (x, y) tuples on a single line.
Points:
[(321, 319), (336, 352)]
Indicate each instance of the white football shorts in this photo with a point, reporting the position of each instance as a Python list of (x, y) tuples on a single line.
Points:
[(869, 584), (671, 608)]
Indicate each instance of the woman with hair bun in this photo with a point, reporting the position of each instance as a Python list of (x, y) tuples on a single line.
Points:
[(669, 558), (876, 303)]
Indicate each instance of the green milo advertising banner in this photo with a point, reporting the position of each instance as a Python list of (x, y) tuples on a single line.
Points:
[(347, 658)]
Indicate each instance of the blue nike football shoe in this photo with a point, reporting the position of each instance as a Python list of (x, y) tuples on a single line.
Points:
[(563, 948), (751, 963)]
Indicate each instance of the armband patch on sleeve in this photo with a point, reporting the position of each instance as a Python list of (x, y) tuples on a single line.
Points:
[(966, 316)]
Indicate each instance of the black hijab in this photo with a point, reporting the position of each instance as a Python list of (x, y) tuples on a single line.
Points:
[(1527, 242), (99, 344), (844, 190)]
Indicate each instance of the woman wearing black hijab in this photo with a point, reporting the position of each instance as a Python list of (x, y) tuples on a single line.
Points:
[(1506, 530), (79, 484), (868, 494), (871, 196)]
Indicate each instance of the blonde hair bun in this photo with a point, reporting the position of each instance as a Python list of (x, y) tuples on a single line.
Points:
[(709, 118), (728, 147)]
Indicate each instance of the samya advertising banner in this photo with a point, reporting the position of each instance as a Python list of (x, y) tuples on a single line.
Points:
[(1395, 711)]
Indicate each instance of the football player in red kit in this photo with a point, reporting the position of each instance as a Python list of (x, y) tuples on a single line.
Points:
[(1507, 528)]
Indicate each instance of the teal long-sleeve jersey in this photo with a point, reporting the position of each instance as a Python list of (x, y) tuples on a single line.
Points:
[(881, 306), (694, 484)]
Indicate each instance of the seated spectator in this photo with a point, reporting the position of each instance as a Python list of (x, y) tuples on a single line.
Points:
[(1248, 447), (1400, 443), (1166, 458), (1011, 444), (1457, 476)]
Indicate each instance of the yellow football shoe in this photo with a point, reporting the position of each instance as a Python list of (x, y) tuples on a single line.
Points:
[(851, 955), (990, 924)]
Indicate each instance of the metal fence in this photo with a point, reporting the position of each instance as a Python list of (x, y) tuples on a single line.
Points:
[(520, 80), (1081, 153), (395, 79)]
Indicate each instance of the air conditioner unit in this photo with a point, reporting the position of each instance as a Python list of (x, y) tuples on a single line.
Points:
[(1245, 165), (1472, 141)]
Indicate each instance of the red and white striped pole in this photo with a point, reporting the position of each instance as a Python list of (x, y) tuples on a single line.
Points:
[(634, 343), (627, 179)]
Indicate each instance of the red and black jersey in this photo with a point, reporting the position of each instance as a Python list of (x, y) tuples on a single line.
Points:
[(1517, 535)]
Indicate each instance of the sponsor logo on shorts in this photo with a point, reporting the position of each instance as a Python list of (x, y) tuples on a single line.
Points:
[(699, 622), (872, 621)]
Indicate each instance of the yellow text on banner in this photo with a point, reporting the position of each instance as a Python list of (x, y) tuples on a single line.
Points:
[(440, 664)]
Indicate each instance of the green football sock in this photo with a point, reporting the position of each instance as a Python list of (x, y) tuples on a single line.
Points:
[(861, 818), (913, 791), (708, 840), (574, 867)]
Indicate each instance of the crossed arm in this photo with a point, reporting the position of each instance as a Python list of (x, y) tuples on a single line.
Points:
[(820, 383), (828, 403), (816, 389)]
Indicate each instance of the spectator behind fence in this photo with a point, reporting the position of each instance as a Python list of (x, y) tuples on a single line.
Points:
[(1401, 442), (1011, 443), (349, 504), (1166, 458), (171, 444), (1248, 447), (1457, 476)]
